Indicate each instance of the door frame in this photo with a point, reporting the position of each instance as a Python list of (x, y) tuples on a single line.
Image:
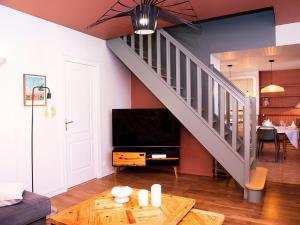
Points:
[(96, 109), (254, 77)]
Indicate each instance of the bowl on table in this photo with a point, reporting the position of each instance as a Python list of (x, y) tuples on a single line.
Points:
[(121, 194)]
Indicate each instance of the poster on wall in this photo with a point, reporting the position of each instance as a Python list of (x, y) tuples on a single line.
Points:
[(29, 82)]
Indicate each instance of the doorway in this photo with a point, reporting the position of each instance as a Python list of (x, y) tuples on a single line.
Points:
[(79, 122)]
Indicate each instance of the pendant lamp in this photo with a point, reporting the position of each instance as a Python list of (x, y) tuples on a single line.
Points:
[(247, 93), (144, 19), (271, 88), (229, 68)]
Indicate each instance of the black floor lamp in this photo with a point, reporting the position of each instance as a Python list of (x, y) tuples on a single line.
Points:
[(49, 111)]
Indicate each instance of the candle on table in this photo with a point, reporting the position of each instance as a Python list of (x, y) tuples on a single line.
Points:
[(156, 195), (143, 197)]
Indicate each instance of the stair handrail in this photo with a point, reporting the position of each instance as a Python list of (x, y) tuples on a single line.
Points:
[(129, 46), (224, 82), (236, 89), (235, 92)]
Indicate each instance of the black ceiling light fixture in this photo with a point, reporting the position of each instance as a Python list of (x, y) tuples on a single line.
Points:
[(145, 14), (229, 69), (144, 19), (272, 88)]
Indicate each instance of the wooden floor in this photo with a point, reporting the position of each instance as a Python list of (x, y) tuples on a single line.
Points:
[(286, 170), (281, 202)]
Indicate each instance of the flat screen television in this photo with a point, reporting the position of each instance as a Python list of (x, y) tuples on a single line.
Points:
[(145, 127)]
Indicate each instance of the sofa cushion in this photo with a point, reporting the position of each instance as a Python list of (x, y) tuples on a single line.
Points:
[(33, 207), (11, 193)]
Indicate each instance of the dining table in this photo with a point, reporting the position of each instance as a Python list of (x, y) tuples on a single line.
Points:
[(292, 133), (284, 133)]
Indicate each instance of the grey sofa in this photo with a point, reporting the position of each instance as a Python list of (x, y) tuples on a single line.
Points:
[(32, 210)]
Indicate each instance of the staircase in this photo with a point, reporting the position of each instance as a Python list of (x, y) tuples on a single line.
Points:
[(216, 112)]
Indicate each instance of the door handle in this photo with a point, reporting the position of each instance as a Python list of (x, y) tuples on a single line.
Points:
[(68, 122)]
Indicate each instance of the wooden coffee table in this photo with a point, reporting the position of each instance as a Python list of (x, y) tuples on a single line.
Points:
[(200, 217), (103, 210)]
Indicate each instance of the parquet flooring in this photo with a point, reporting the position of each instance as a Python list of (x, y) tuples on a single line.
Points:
[(284, 171), (281, 205)]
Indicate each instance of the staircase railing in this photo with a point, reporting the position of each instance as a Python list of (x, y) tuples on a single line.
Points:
[(220, 104)]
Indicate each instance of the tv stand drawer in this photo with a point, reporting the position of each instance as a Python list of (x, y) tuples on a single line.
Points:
[(129, 159)]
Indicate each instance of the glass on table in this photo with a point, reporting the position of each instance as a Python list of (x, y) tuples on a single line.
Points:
[(282, 123)]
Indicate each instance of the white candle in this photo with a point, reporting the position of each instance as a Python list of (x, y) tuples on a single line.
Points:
[(156, 195), (143, 197)]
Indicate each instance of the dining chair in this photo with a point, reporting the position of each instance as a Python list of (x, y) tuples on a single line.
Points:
[(282, 138), (267, 135)]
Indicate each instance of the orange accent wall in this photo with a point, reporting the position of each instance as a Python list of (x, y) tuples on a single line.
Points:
[(281, 105), (194, 158)]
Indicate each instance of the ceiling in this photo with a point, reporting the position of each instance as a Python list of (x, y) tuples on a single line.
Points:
[(247, 61), (80, 13)]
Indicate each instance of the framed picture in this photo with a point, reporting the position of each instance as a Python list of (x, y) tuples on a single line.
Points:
[(29, 82)]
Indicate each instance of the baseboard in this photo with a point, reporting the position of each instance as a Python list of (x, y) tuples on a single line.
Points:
[(107, 172), (55, 192)]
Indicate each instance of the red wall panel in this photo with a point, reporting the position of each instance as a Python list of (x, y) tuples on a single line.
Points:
[(194, 158), (281, 105)]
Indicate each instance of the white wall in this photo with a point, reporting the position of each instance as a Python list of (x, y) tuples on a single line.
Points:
[(255, 79), (288, 34), (215, 61), (32, 45)]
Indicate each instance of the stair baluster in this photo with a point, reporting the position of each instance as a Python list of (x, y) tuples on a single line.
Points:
[(222, 113), (178, 78), (210, 96), (199, 90), (149, 49), (188, 80), (158, 47)]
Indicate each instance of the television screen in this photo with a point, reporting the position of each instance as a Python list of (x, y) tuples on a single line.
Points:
[(145, 127)]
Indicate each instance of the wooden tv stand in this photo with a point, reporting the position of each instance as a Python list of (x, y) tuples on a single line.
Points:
[(142, 156)]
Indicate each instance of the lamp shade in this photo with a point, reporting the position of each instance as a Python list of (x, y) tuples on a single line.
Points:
[(298, 106), (144, 19), (50, 111), (272, 88)]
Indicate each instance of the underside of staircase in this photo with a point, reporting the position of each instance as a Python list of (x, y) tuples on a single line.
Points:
[(216, 112)]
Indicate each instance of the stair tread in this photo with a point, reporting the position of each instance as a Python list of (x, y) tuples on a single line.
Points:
[(258, 178)]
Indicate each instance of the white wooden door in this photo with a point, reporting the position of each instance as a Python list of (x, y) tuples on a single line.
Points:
[(79, 126)]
